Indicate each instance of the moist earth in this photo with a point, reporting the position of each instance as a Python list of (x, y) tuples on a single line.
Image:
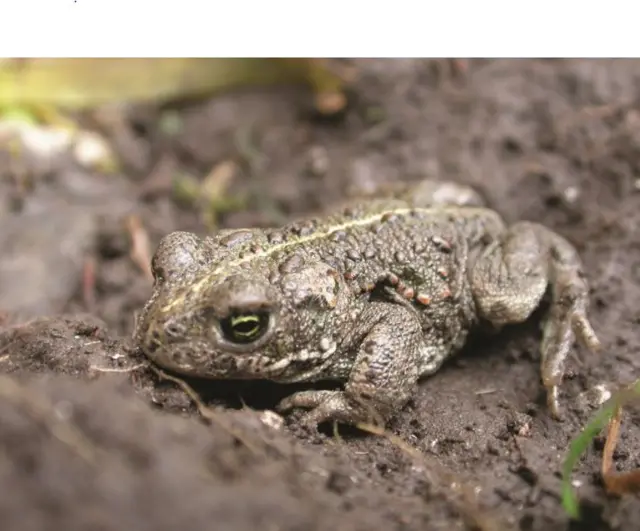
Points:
[(94, 438)]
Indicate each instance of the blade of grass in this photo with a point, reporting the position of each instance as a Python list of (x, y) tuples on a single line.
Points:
[(580, 444)]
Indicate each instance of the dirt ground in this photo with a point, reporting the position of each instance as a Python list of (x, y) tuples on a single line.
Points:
[(90, 440)]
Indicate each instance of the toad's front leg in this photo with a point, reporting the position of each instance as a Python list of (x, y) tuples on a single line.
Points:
[(383, 375), (509, 279)]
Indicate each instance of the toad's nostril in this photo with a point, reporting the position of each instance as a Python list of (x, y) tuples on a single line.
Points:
[(174, 330)]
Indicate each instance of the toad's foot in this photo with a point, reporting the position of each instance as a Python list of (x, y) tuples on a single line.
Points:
[(327, 406), (509, 280), (388, 340), (567, 319)]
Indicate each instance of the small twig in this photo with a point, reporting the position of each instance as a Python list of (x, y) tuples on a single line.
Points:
[(611, 443), (205, 411), (489, 391), (140, 246), (623, 483), (89, 283), (125, 370)]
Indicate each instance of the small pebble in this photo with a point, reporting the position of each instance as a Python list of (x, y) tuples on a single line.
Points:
[(272, 419), (571, 194), (318, 161), (596, 395)]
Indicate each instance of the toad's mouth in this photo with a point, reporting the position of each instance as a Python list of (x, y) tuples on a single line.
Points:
[(191, 360)]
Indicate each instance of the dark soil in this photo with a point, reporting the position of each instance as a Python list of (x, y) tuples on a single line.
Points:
[(89, 439)]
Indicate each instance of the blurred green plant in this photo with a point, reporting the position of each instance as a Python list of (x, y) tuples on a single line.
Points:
[(86, 83), (36, 95)]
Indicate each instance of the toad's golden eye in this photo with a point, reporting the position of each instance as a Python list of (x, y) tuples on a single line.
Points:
[(245, 328)]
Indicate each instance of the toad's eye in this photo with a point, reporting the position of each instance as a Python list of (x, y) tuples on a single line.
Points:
[(245, 328)]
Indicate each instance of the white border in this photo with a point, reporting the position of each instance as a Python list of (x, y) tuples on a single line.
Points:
[(327, 28)]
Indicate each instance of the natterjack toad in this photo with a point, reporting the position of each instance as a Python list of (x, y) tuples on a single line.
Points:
[(374, 296)]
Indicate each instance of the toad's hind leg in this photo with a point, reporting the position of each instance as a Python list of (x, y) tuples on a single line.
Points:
[(509, 279)]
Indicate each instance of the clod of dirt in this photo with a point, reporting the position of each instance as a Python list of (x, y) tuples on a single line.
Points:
[(75, 345)]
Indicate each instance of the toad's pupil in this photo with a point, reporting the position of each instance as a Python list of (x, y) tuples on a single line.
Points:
[(246, 325), (245, 328)]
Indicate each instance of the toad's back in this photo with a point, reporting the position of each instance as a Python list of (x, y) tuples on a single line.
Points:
[(368, 239), (418, 254)]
